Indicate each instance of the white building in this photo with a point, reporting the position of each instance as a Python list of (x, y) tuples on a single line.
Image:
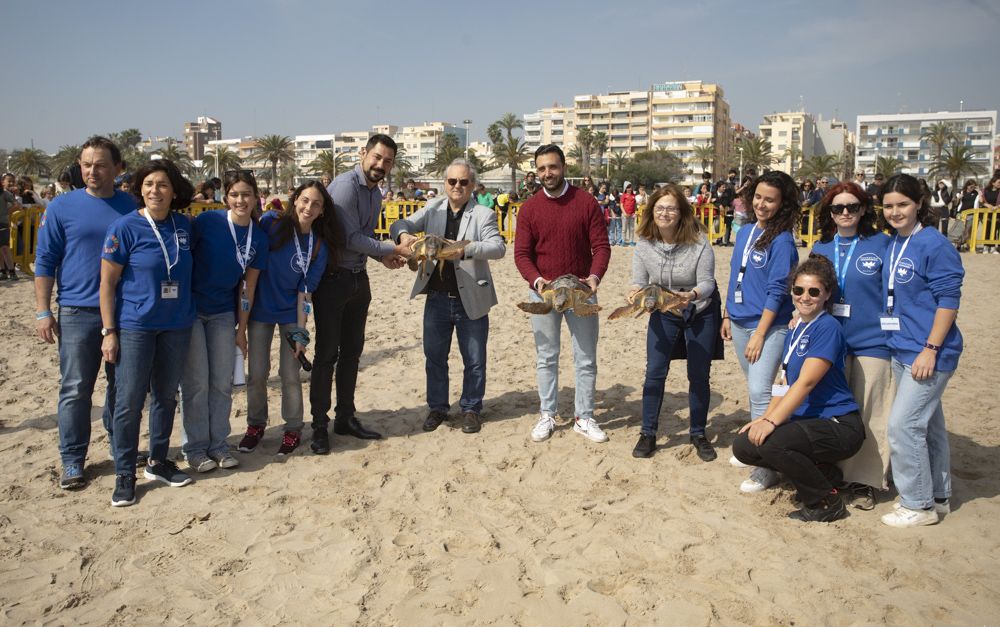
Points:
[(788, 132), (422, 142), (552, 125)]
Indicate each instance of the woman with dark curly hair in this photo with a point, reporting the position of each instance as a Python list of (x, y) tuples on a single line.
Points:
[(852, 241), (147, 311), (812, 421), (758, 308)]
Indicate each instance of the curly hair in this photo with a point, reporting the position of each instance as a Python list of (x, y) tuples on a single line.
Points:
[(786, 218), (183, 190), (820, 267), (870, 221)]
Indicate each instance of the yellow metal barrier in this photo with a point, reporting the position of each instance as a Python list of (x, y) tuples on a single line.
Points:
[(809, 225), (24, 236), (198, 207), (985, 222)]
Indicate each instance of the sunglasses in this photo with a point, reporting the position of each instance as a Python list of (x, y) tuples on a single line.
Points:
[(854, 207), (798, 290), (458, 182)]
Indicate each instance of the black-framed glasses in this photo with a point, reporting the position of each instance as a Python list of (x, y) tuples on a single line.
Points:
[(854, 207), (798, 290), (458, 182)]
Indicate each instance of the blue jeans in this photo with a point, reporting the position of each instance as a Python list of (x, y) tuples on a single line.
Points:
[(663, 332), (918, 440), (615, 230), (760, 374), (147, 360), (207, 385), (442, 316), (583, 330), (79, 364)]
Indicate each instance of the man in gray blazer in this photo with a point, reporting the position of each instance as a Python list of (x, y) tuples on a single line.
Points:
[(459, 295)]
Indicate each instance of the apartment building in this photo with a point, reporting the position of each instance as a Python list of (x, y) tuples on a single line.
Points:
[(789, 132), (688, 114), (621, 115), (197, 134), (551, 125), (422, 142)]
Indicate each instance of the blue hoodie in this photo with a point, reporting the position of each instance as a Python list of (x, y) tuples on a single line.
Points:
[(928, 276), (765, 282)]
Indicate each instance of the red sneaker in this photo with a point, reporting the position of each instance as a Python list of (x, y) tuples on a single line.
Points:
[(251, 439), (289, 442)]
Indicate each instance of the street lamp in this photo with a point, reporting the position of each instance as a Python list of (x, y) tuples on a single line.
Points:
[(740, 148), (466, 122)]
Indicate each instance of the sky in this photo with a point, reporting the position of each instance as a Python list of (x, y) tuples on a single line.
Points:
[(299, 67)]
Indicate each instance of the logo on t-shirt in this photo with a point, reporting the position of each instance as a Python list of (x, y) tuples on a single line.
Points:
[(41, 223), (248, 252), (183, 240), (904, 270), (758, 258), (299, 262), (111, 245), (802, 346), (869, 264)]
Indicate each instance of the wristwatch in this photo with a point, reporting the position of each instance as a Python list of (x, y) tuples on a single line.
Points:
[(106, 331)]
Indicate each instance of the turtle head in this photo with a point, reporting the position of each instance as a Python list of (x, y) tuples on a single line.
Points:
[(648, 302)]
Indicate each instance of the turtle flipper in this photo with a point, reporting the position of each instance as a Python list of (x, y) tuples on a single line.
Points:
[(586, 309), (622, 311), (412, 263), (536, 308), (453, 250)]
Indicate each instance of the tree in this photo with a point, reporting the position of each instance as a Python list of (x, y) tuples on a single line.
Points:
[(448, 151), (600, 146), (64, 159), (818, 166), (178, 155), (507, 149), (653, 166), (705, 154), (618, 160), (274, 149), (326, 163), (402, 167), (957, 160), (289, 172), (887, 166), (757, 153), (794, 154), (228, 160), (939, 135), (30, 161), (585, 141)]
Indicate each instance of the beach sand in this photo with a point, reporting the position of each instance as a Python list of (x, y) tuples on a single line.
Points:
[(448, 528)]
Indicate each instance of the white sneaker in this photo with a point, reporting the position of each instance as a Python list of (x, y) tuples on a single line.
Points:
[(588, 428), (760, 479), (543, 428), (903, 517), (737, 463), (941, 508)]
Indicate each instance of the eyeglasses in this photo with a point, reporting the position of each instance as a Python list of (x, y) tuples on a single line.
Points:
[(854, 207), (665, 210), (458, 182), (798, 290)]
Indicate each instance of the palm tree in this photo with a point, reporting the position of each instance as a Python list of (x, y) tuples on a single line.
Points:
[(600, 146), (178, 155), (274, 148), (939, 135), (289, 172), (64, 158), (619, 159), (30, 161), (507, 149), (129, 138), (757, 153), (818, 166), (228, 160), (585, 141), (957, 160), (448, 151), (887, 166), (402, 166), (794, 154), (326, 163), (705, 154)]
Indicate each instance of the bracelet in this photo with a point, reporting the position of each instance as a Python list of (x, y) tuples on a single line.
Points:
[(768, 420), (933, 347), (42, 315)]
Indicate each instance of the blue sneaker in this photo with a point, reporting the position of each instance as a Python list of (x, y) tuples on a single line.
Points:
[(72, 477), (124, 494)]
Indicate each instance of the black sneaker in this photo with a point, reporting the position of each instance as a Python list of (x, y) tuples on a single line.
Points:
[(124, 494), (320, 441), (645, 446), (289, 442), (828, 510), (251, 439), (166, 472), (703, 447)]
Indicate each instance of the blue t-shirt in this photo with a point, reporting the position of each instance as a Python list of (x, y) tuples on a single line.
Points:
[(862, 291), (928, 276), (130, 242), (765, 282), (218, 274), (281, 281), (822, 339), (70, 236)]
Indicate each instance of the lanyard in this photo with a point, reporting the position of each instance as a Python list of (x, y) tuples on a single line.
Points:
[(163, 246), (308, 259), (894, 264), (795, 340), (243, 260), (746, 254), (842, 276)]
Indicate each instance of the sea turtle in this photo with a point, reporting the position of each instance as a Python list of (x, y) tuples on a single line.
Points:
[(434, 249), (566, 292), (649, 299)]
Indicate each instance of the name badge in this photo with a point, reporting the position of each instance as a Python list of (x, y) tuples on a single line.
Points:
[(170, 290), (779, 389), (245, 304), (842, 310), (889, 323), (738, 297), (307, 307)]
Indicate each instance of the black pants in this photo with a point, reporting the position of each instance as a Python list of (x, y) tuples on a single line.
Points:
[(805, 451), (341, 305), (729, 229)]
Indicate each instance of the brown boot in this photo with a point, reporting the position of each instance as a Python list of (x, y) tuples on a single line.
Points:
[(471, 422)]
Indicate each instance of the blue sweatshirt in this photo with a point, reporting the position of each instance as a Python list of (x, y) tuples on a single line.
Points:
[(765, 282), (70, 237), (218, 275), (929, 276), (862, 291), (130, 243), (281, 281), (823, 339)]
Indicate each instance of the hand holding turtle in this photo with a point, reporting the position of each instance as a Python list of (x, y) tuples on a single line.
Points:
[(393, 262)]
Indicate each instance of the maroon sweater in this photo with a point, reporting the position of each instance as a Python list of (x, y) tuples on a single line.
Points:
[(557, 236)]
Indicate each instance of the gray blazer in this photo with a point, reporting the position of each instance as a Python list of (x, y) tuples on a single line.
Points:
[(472, 272)]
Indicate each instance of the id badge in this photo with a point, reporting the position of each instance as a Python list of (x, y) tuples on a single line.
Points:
[(245, 304), (889, 323), (779, 389), (170, 290), (307, 307), (842, 310), (738, 297)]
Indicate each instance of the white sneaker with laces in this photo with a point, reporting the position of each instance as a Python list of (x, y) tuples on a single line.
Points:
[(903, 517), (737, 463), (588, 428), (759, 480), (543, 428), (941, 508)]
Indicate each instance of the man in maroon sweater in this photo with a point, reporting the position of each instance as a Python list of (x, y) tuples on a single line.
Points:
[(561, 231)]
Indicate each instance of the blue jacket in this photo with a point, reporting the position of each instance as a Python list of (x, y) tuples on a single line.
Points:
[(765, 282)]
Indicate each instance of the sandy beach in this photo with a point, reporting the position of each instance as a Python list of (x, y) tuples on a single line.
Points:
[(487, 529)]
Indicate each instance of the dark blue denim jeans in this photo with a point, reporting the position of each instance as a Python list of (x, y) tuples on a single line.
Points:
[(663, 332), (444, 315), (79, 364), (147, 360)]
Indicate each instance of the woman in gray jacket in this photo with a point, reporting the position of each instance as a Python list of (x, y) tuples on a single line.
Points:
[(673, 252)]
